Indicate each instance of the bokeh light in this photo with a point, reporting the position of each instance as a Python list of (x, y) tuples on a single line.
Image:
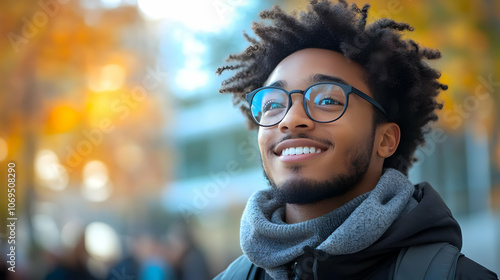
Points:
[(208, 16), (101, 241), (107, 78), (62, 118), (50, 172), (96, 185)]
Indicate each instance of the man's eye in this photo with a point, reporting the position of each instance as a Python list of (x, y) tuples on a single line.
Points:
[(329, 101), (272, 105)]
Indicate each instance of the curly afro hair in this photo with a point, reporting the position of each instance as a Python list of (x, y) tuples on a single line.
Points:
[(397, 75)]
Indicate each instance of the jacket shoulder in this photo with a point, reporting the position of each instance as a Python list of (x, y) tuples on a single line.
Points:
[(469, 269), (241, 268)]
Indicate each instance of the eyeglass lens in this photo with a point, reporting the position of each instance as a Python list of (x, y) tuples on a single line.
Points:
[(323, 103)]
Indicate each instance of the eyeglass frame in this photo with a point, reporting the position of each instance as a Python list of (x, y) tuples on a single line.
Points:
[(348, 89)]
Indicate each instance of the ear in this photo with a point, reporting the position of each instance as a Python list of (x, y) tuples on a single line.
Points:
[(388, 136)]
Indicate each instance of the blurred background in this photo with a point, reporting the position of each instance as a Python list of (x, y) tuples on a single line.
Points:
[(130, 165)]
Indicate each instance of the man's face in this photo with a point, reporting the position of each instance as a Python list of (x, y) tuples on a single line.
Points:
[(343, 150)]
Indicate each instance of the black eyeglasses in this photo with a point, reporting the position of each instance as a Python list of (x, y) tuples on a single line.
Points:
[(323, 102)]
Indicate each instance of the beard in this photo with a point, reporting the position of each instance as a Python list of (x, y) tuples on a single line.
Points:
[(306, 191)]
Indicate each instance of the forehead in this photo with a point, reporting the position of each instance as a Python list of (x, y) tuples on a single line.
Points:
[(297, 70)]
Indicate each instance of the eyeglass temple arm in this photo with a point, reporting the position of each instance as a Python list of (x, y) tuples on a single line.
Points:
[(369, 99)]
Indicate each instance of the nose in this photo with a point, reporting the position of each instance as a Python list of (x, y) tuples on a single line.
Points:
[(296, 119)]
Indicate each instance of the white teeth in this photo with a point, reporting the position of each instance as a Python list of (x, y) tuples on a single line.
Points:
[(300, 151)]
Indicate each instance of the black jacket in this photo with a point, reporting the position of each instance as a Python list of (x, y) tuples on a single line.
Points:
[(429, 222)]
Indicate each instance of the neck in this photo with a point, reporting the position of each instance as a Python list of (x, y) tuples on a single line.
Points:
[(296, 213)]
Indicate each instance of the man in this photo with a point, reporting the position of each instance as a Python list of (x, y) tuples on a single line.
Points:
[(340, 109)]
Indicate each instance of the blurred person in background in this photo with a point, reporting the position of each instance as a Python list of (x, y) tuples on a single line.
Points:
[(3, 268), (340, 108), (73, 265), (150, 259), (190, 262)]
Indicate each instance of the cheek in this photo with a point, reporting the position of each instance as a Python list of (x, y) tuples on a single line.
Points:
[(350, 132), (264, 139), (358, 122)]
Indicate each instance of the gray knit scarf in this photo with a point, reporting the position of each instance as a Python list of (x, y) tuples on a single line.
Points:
[(270, 243)]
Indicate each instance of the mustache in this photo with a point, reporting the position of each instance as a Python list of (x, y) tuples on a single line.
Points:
[(302, 136)]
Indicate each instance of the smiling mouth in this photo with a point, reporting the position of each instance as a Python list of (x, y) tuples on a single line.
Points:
[(300, 151), (300, 148)]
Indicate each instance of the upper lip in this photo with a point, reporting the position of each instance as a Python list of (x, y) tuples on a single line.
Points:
[(300, 142)]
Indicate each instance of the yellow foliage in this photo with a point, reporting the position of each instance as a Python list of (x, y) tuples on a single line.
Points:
[(61, 118)]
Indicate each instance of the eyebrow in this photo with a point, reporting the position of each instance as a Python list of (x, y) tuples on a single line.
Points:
[(279, 83), (316, 78)]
